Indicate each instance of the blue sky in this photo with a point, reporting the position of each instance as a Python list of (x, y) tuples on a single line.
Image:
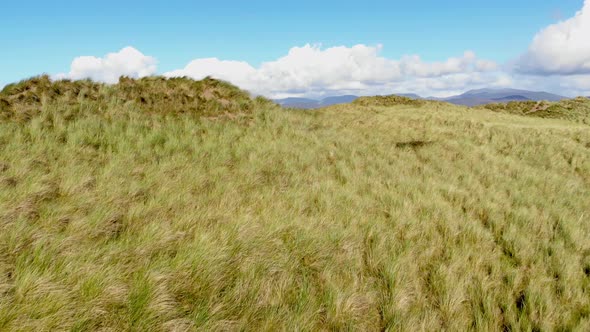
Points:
[(44, 37)]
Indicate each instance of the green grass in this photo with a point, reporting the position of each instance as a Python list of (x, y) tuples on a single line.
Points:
[(24, 100), (117, 216), (576, 110)]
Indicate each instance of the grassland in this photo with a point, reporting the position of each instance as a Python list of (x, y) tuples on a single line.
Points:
[(234, 214)]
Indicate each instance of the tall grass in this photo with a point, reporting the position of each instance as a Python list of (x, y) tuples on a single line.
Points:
[(355, 217), (577, 110)]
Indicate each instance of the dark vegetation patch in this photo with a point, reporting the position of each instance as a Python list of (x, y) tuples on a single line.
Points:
[(413, 144), (520, 301), (10, 182)]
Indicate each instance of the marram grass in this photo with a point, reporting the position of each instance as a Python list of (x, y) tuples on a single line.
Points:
[(358, 217)]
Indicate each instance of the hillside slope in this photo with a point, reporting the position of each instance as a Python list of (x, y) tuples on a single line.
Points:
[(207, 97), (576, 110), (380, 215), (487, 96), (469, 98)]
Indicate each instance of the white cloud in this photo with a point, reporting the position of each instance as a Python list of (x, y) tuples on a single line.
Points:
[(486, 65), (576, 85), (558, 60), (309, 70), (237, 72), (312, 71), (560, 49), (127, 62)]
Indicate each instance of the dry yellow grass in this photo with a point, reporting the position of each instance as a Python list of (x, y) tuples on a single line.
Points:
[(576, 110), (356, 217)]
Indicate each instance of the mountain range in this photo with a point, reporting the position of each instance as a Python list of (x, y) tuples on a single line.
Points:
[(469, 98), (307, 103), (488, 96)]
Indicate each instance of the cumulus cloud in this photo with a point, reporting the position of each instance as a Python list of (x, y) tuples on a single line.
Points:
[(312, 71), (560, 49), (127, 62), (309, 70), (237, 72), (576, 85)]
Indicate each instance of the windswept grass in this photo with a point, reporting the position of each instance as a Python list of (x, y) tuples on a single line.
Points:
[(391, 100), (354, 217), (208, 97), (577, 110)]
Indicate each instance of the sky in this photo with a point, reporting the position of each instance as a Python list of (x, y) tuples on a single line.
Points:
[(307, 48)]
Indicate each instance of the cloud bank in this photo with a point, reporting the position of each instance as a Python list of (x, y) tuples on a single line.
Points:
[(557, 60), (560, 49), (127, 62), (312, 71)]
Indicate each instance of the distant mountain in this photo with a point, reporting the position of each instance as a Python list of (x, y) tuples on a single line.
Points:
[(512, 98), (487, 96), (469, 98), (298, 102), (306, 103), (338, 100)]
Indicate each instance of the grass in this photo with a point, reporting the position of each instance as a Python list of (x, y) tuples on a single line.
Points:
[(576, 110), (208, 97), (354, 217)]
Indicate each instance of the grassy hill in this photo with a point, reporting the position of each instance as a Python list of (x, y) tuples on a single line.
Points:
[(199, 208), (576, 110), (209, 97)]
